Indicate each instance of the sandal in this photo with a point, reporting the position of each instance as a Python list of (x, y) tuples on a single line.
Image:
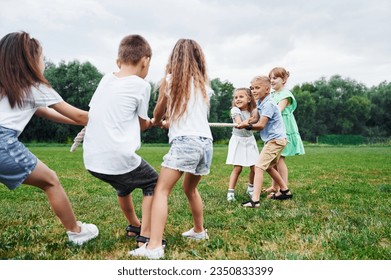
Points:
[(283, 196), (251, 204), (132, 229), (143, 239)]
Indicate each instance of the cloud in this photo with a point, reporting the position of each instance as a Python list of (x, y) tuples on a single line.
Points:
[(241, 39)]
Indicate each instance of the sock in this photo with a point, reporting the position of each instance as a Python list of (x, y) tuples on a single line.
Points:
[(250, 185), (231, 191)]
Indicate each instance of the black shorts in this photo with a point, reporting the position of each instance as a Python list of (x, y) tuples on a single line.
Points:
[(143, 177)]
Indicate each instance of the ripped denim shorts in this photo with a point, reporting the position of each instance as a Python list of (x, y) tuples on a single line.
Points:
[(190, 154), (16, 161)]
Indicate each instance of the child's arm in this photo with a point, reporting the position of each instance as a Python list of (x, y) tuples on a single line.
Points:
[(283, 104), (237, 119), (78, 116), (259, 125), (144, 124), (254, 118), (53, 115), (160, 108)]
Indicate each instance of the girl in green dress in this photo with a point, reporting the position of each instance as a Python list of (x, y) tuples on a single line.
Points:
[(287, 104)]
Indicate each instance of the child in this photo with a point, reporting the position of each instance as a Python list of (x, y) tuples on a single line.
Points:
[(184, 100), (273, 134), (287, 104), (242, 148), (118, 110), (24, 91)]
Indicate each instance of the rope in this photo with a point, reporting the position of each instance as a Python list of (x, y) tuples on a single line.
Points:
[(80, 136), (222, 124)]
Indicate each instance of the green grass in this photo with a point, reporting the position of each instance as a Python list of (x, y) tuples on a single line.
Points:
[(341, 210)]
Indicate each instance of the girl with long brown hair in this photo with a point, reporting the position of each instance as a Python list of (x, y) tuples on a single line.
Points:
[(24, 91), (184, 103)]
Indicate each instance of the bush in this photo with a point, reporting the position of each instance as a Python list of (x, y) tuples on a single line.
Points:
[(334, 139)]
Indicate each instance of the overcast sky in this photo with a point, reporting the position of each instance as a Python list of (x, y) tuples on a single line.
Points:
[(241, 39)]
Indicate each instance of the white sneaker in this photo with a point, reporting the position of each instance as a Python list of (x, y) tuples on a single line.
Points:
[(87, 232), (191, 234), (250, 191), (152, 254), (230, 197)]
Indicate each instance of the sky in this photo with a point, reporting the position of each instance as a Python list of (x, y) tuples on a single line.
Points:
[(240, 39)]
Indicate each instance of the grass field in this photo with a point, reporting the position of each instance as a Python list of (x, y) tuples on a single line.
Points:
[(341, 210)]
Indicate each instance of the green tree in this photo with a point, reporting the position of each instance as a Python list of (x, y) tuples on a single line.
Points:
[(220, 107), (379, 123), (305, 113), (75, 82), (341, 107)]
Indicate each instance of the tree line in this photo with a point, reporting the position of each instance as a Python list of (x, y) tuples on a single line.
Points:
[(336, 105)]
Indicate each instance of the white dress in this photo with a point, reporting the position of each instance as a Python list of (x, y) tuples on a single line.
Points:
[(242, 148)]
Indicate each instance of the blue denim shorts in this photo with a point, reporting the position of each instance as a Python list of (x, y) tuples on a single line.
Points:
[(190, 154), (16, 161)]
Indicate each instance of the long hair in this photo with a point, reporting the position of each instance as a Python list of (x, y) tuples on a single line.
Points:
[(19, 67), (186, 65), (252, 104)]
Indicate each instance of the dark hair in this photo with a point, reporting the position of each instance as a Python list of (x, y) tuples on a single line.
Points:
[(19, 67), (132, 49)]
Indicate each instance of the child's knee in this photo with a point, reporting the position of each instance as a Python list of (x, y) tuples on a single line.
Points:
[(238, 168)]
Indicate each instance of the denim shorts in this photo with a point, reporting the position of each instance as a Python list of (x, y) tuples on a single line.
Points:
[(16, 161), (143, 177), (190, 154)]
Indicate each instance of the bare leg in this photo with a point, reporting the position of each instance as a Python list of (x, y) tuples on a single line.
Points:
[(146, 218), (233, 179), (190, 183), (277, 177), (258, 182), (46, 179), (127, 208), (274, 187), (283, 169), (167, 180), (251, 175)]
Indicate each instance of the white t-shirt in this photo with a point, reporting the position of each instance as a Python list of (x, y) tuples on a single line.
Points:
[(195, 120), (113, 132), (17, 118)]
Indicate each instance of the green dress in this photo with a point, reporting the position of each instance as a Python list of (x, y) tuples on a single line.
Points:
[(295, 144)]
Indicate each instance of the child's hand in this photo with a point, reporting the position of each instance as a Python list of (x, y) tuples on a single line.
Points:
[(164, 125), (243, 124)]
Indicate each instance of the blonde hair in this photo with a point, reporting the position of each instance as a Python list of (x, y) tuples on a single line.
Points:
[(279, 72), (262, 79), (252, 104), (186, 65)]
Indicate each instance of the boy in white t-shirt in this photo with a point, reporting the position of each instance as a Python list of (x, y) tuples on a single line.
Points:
[(118, 111)]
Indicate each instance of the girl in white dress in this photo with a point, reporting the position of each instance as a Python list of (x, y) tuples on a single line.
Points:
[(242, 148)]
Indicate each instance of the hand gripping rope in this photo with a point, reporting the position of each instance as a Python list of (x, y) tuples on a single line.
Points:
[(80, 136)]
